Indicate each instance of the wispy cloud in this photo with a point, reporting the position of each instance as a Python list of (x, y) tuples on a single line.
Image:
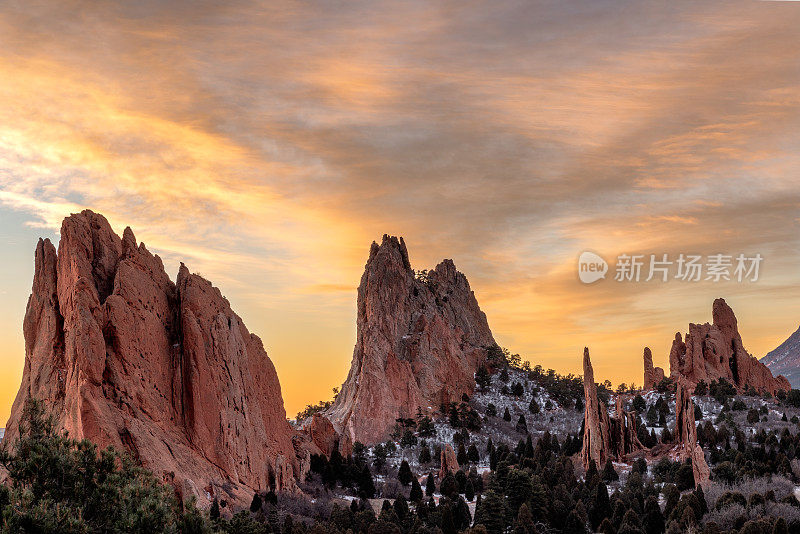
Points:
[(269, 144)]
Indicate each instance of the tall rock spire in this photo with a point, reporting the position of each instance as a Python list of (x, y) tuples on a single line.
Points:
[(420, 339)]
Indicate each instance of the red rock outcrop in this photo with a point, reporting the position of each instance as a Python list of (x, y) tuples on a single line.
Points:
[(686, 434), (168, 372), (714, 351), (323, 435), (596, 424), (652, 375), (604, 437), (624, 427), (448, 462), (420, 340)]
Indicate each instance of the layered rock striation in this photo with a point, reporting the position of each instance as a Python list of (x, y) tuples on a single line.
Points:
[(714, 351), (165, 371), (420, 339)]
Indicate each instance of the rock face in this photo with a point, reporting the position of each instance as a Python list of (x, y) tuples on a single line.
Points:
[(652, 375), (604, 437), (448, 461), (785, 359), (165, 371), (686, 434), (420, 340), (714, 351)]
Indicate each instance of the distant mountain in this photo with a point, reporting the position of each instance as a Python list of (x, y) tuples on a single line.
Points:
[(785, 359)]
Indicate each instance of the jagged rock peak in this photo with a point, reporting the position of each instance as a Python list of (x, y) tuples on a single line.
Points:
[(714, 351), (420, 339), (169, 373)]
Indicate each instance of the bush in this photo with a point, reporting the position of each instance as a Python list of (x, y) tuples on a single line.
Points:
[(61, 484)]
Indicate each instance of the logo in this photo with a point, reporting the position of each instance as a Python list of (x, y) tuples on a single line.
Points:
[(591, 267)]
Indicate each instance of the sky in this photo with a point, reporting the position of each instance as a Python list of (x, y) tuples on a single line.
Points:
[(267, 145)]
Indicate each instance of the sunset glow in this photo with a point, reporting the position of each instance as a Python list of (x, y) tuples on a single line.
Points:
[(267, 146)]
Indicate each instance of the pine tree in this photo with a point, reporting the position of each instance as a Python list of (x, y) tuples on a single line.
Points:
[(461, 457), (214, 512), (425, 455), (404, 474), (430, 485), (472, 454), (490, 512), (609, 473), (522, 425), (507, 415), (469, 490), (416, 491)]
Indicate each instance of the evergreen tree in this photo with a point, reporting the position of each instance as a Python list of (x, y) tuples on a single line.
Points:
[(430, 485), (601, 507), (522, 425), (490, 512), (425, 455), (469, 490), (404, 474), (461, 457), (59, 484), (366, 486), (416, 491), (482, 377), (507, 415), (449, 487), (574, 524), (653, 522), (533, 407), (609, 473), (472, 454)]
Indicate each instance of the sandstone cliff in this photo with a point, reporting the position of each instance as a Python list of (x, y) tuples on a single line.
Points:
[(420, 340), (168, 372), (714, 351)]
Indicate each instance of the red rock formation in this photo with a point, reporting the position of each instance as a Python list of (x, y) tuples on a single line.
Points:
[(652, 375), (714, 351), (604, 437), (420, 340), (323, 435), (625, 439), (597, 426), (448, 462), (686, 434), (169, 373)]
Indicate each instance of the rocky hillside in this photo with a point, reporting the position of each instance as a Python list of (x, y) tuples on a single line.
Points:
[(420, 338), (164, 370), (785, 359)]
